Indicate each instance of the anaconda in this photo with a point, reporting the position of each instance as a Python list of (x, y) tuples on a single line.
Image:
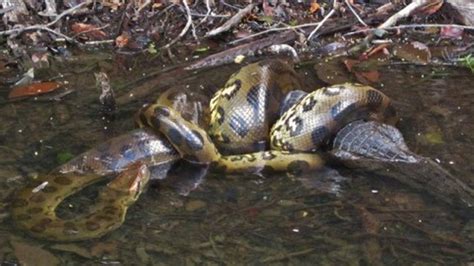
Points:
[(34, 207), (245, 134)]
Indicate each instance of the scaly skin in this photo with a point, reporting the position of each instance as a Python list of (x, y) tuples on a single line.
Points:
[(34, 210), (240, 121), (34, 206), (380, 149)]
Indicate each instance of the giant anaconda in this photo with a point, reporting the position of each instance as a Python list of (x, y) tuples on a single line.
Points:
[(244, 133), (34, 207), (244, 121)]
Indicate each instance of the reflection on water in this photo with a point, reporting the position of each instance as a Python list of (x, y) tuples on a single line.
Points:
[(253, 219)]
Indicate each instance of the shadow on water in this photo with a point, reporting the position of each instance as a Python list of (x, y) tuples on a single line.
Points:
[(250, 219)]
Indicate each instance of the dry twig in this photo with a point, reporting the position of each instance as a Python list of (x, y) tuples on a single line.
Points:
[(405, 12), (89, 31), (231, 22), (186, 27), (246, 49), (355, 14), (208, 6), (141, 7), (407, 26), (275, 29), (335, 7)]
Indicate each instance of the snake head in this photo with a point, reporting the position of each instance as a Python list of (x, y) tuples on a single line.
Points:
[(132, 181)]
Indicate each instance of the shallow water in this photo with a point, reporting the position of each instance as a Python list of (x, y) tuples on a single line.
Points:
[(248, 219)]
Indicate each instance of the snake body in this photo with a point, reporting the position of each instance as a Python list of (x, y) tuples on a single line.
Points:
[(34, 207), (242, 132), (243, 112)]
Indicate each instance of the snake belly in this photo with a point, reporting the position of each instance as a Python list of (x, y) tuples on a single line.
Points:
[(245, 132)]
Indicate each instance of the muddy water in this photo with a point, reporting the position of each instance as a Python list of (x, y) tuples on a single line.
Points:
[(248, 219)]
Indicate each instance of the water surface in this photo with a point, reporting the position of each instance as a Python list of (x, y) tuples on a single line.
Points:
[(248, 219)]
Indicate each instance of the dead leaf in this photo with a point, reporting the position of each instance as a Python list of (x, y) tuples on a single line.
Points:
[(91, 31), (331, 71), (381, 48), (368, 76), (33, 89), (33, 255), (365, 76), (122, 40), (430, 8), (113, 4), (156, 5), (39, 57), (414, 52), (267, 9), (349, 63), (449, 32), (314, 7)]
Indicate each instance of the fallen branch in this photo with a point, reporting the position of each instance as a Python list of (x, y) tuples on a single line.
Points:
[(110, 41), (231, 22), (274, 30), (247, 49), (405, 12), (251, 48), (411, 26), (163, 78), (209, 16)]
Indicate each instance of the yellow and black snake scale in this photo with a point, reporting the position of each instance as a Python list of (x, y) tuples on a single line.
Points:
[(241, 132)]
